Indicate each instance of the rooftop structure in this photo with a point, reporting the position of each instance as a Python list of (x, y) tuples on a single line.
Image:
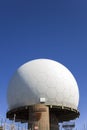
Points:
[(68, 125)]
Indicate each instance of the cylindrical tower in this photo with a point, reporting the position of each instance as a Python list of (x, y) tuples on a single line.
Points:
[(43, 93)]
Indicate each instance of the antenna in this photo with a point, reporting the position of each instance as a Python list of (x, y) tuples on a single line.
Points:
[(84, 126)]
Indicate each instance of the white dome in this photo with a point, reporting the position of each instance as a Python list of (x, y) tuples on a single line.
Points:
[(43, 79)]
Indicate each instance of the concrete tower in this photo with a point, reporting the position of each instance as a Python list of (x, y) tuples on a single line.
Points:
[(43, 93)]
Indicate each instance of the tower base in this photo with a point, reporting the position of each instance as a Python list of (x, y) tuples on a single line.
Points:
[(42, 117)]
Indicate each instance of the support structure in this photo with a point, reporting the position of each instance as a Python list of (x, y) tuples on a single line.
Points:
[(41, 116), (68, 126)]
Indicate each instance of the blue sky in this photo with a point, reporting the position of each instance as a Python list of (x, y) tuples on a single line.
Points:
[(55, 29)]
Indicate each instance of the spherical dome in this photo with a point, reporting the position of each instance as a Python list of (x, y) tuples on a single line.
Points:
[(43, 80)]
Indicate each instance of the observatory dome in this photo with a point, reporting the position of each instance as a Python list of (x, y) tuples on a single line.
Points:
[(43, 80)]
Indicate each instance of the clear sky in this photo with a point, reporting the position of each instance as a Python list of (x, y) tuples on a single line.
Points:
[(55, 29)]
